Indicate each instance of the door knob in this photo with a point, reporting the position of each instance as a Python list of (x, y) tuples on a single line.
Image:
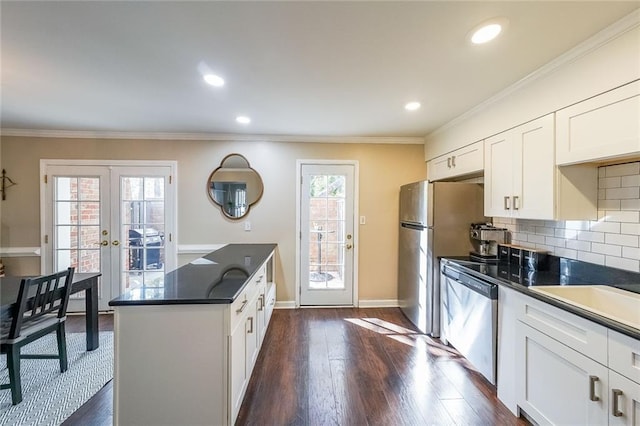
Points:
[(104, 243), (349, 246), (116, 242)]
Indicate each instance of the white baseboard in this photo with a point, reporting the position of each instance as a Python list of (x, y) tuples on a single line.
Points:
[(285, 304), (382, 303)]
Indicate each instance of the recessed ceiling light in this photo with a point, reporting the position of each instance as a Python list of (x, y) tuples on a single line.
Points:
[(243, 119), (412, 106), (214, 80), (488, 30)]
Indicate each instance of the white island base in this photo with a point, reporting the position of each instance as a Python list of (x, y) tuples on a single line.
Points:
[(189, 364)]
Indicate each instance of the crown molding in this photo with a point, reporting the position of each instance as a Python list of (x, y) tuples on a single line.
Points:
[(591, 44), (217, 137)]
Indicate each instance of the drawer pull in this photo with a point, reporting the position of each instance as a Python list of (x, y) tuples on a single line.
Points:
[(261, 299), (251, 322), (241, 308), (592, 388), (507, 203), (615, 395)]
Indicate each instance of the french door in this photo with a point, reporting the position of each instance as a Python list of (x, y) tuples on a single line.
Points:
[(327, 239), (117, 220)]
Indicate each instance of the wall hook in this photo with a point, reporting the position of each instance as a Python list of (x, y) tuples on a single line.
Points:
[(5, 178)]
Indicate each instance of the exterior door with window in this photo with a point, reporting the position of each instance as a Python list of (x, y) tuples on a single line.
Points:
[(327, 234), (117, 221)]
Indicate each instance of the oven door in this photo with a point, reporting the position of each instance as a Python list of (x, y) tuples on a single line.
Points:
[(470, 323)]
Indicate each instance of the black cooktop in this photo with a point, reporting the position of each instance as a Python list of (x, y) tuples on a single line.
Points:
[(561, 271)]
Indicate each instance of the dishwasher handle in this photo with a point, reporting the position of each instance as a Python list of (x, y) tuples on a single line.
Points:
[(485, 288)]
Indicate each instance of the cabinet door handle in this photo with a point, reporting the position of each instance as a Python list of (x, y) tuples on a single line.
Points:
[(241, 308), (251, 325), (261, 299), (453, 160), (615, 395), (507, 203), (515, 202), (449, 162), (592, 388)]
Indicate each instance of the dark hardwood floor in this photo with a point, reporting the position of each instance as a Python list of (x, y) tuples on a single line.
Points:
[(349, 367)]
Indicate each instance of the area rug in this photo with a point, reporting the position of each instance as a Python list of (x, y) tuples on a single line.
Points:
[(50, 397)]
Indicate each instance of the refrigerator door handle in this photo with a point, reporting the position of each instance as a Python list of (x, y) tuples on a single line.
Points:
[(417, 227)]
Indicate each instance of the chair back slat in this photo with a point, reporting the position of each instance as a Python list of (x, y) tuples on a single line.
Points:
[(44, 295)]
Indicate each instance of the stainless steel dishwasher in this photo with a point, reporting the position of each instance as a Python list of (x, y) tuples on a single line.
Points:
[(470, 317)]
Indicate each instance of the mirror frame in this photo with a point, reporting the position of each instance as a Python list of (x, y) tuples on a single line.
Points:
[(249, 204)]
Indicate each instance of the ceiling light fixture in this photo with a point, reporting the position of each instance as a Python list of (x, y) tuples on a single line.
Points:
[(488, 30), (243, 119), (412, 106), (214, 80)]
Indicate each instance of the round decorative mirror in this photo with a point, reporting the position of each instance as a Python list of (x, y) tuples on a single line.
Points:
[(234, 186)]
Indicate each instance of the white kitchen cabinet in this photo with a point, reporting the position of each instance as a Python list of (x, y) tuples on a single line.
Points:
[(520, 171), (624, 380), (600, 128), (559, 386), (568, 369), (522, 181), (624, 403), (238, 374), (461, 162), (508, 370)]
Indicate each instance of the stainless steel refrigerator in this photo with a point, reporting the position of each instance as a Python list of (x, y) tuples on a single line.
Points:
[(434, 222)]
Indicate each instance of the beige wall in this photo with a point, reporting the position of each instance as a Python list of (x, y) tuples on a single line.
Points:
[(383, 168)]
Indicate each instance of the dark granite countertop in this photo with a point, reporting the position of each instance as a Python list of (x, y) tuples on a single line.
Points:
[(560, 271), (219, 277)]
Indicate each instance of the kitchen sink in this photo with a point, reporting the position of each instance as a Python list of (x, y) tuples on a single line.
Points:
[(619, 305)]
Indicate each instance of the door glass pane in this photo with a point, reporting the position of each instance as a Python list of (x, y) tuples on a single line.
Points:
[(76, 238), (326, 229), (143, 223)]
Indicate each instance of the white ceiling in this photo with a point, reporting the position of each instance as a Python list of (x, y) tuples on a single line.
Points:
[(296, 68)]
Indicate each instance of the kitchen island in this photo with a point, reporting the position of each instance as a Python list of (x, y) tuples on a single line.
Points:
[(184, 352)]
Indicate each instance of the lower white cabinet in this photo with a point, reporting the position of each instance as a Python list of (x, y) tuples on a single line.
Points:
[(559, 386), (507, 370), (624, 401), (567, 370), (238, 377)]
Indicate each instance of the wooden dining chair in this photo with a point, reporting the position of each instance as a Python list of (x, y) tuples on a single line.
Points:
[(40, 309)]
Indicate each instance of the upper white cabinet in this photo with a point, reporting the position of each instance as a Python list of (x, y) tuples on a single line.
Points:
[(604, 127), (519, 171), (464, 161), (522, 181)]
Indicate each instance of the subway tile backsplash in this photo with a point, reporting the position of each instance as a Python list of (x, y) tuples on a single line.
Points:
[(613, 240)]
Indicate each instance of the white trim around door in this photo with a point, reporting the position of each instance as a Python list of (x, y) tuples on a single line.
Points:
[(356, 199)]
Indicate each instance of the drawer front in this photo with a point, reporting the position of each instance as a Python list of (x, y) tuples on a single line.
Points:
[(239, 307), (582, 335), (624, 355), (260, 277)]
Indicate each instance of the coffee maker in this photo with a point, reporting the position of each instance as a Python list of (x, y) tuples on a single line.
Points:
[(485, 238)]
